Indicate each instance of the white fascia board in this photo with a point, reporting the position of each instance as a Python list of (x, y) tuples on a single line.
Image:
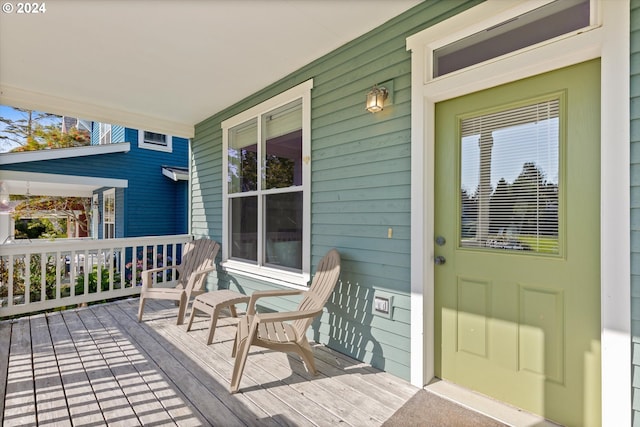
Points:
[(65, 179), (63, 153), (175, 175), (46, 184)]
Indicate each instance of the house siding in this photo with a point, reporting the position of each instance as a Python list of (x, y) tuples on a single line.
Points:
[(152, 204), (118, 134), (635, 204), (360, 186), (147, 193), (95, 133)]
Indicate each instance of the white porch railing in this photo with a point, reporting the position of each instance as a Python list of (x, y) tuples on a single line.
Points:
[(42, 275)]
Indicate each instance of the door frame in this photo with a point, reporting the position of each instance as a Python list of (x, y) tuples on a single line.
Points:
[(608, 39)]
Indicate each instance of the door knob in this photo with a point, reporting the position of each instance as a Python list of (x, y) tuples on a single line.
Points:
[(439, 260), (440, 241)]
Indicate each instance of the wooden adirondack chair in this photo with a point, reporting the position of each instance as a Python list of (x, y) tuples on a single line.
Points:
[(198, 260), (285, 331)]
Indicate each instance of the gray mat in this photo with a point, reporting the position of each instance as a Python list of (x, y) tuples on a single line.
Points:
[(426, 409)]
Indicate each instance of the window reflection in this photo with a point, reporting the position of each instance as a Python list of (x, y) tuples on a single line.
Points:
[(510, 179), (283, 224), (244, 228), (243, 157)]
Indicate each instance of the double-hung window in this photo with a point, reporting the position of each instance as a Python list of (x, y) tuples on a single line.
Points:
[(266, 189)]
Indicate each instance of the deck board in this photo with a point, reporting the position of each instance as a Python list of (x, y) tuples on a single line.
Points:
[(20, 408), (98, 366), (50, 399), (5, 339)]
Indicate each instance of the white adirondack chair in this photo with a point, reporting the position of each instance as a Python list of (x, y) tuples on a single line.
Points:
[(285, 331), (198, 260)]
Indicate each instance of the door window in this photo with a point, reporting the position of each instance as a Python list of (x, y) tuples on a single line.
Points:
[(509, 179)]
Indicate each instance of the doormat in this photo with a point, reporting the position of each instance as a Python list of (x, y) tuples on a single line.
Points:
[(426, 409)]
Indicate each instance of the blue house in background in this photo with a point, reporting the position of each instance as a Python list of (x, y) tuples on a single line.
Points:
[(138, 180)]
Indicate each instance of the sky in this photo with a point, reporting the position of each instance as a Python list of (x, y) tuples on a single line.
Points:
[(512, 148), (11, 113)]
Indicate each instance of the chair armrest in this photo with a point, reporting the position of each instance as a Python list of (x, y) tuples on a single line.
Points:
[(146, 275), (158, 269), (251, 306), (285, 315)]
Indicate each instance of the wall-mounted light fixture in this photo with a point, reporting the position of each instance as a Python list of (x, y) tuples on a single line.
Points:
[(376, 98)]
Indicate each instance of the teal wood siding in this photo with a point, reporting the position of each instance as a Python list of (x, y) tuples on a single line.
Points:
[(635, 205), (360, 186)]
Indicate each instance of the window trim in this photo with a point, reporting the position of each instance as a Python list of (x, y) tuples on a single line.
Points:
[(263, 272), (608, 40), (149, 146)]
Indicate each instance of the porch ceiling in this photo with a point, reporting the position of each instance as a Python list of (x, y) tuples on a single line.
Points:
[(167, 65)]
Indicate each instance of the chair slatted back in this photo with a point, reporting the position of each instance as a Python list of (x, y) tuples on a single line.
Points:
[(196, 255), (322, 285)]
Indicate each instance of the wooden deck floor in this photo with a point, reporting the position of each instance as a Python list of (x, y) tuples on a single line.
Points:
[(98, 366)]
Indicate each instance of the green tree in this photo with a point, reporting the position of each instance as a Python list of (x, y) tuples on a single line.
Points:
[(31, 132), (51, 136), (71, 208), (21, 131)]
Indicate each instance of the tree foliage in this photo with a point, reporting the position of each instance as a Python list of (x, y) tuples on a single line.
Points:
[(34, 131), (72, 208), (51, 136), (20, 131), (527, 206)]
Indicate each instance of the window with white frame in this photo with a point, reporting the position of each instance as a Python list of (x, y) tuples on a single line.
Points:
[(155, 141), (266, 218), (105, 133), (109, 214), (546, 22)]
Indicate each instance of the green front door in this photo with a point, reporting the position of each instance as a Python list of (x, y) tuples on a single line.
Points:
[(517, 248)]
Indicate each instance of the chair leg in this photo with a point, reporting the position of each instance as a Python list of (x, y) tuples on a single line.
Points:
[(191, 317), (241, 330), (241, 358), (304, 350), (232, 309), (182, 309), (212, 324), (141, 308)]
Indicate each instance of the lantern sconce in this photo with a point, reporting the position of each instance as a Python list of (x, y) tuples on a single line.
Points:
[(379, 96)]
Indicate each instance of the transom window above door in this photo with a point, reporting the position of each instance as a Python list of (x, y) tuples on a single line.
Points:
[(534, 26)]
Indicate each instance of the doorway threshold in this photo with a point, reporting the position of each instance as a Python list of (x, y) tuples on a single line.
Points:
[(487, 406)]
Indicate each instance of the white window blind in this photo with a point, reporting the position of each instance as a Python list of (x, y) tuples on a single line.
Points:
[(509, 179)]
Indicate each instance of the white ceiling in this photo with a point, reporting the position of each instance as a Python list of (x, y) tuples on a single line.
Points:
[(166, 65)]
